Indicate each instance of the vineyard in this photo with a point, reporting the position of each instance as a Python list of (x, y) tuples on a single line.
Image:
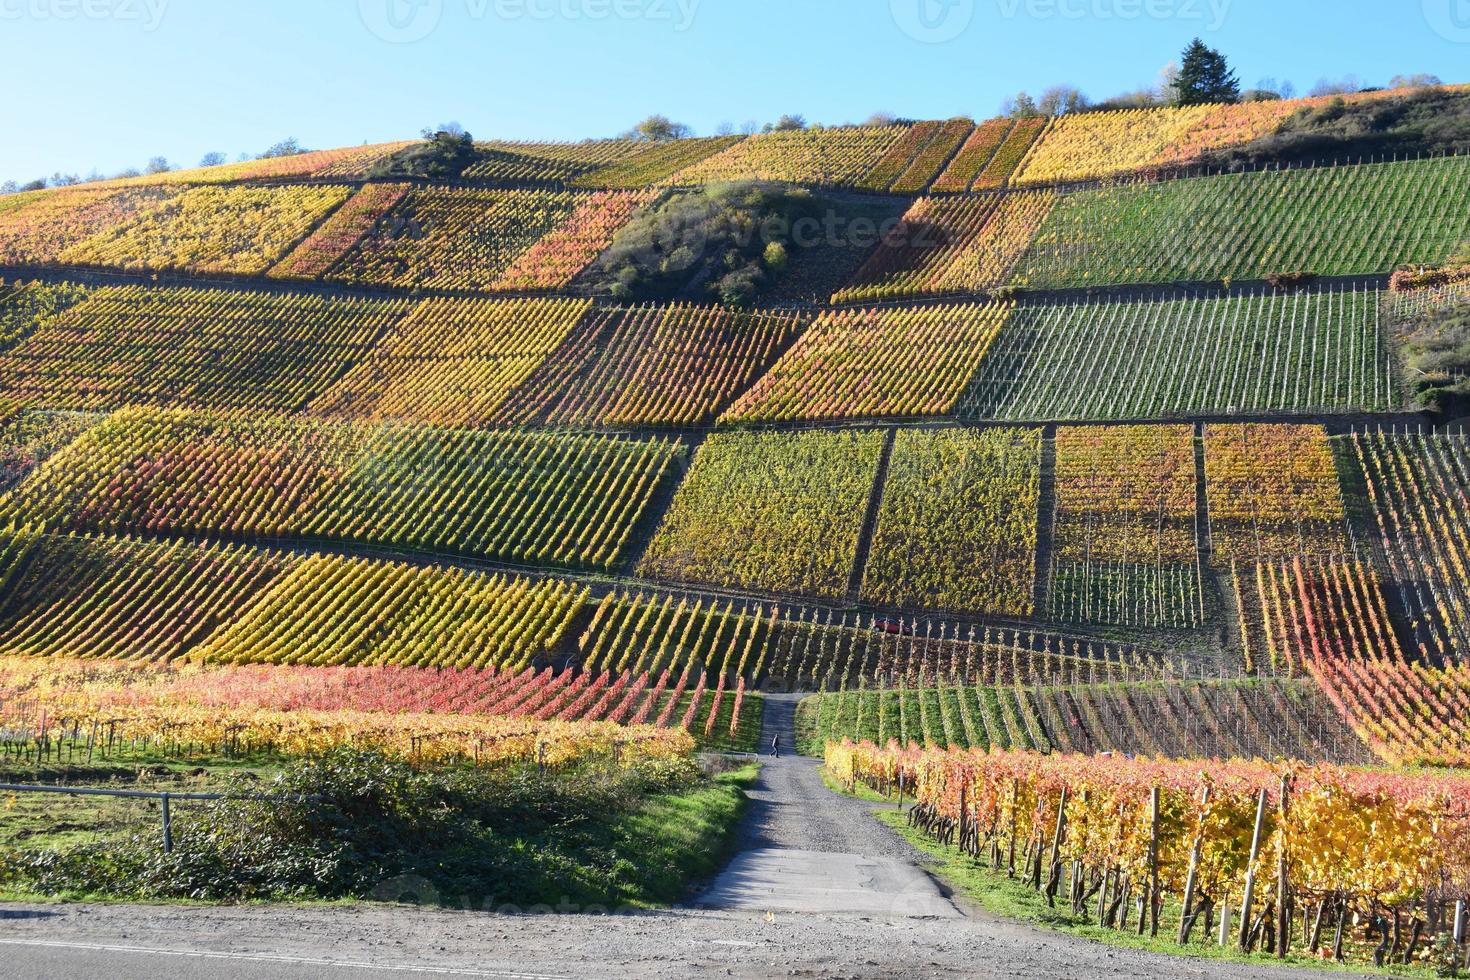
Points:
[(652, 366), (484, 240), (1316, 856), (1125, 545), (452, 362), (1321, 351), (132, 345), (1274, 493), (957, 526), (1198, 719), (40, 233), (1416, 483), (952, 245), (526, 498), (828, 157), (1332, 221), (778, 513), (854, 364), (1089, 146), (233, 230)]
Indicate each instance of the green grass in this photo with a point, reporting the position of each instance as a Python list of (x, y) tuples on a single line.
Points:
[(1010, 898), (746, 736), (676, 840)]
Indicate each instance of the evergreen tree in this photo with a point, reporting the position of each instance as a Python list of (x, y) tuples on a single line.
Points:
[(1205, 76)]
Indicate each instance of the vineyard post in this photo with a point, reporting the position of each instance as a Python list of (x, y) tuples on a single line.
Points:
[(1283, 885), (168, 827), (1155, 798), (1055, 870), (1460, 926), (1191, 881), (1011, 844), (1250, 875), (964, 806)]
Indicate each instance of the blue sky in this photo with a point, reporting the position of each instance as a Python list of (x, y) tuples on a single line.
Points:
[(110, 83)]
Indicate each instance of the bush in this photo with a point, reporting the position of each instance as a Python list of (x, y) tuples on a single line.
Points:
[(375, 827), (1437, 352), (443, 155), (726, 241), (1286, 280)]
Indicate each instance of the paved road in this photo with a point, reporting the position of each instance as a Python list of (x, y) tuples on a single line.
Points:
[(804, 849)]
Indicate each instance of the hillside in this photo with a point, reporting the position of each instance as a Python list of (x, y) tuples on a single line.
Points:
[(1105, 433)]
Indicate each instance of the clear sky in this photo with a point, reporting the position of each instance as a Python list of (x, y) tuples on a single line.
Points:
[(110, 83)]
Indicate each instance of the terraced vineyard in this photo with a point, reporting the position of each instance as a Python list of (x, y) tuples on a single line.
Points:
[(1209, 720), (1318, 351), (40, 232), (236, 230), (1085, 458), (452, 362), (957, 526), (1125, 545), (776, 513), (829, 157), (952, 245), (527, 498), (485, 240), (1274, 493), (1334, 221), (1417, 485), (873, 364), (663, 365), (128, 345)]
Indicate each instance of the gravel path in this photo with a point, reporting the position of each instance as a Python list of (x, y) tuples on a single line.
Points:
[(121, 942), (792, 808)]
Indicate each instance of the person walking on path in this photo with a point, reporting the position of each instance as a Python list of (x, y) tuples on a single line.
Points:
[(776, 746)]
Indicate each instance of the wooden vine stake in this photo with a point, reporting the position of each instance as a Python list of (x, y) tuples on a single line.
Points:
[(1191, 881), (1283, 885), (1152, 907), (1055, 868), (1248, 899)]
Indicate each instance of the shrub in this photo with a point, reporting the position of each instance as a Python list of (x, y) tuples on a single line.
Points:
[(370, 827), (441, 156), (726, 241)]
